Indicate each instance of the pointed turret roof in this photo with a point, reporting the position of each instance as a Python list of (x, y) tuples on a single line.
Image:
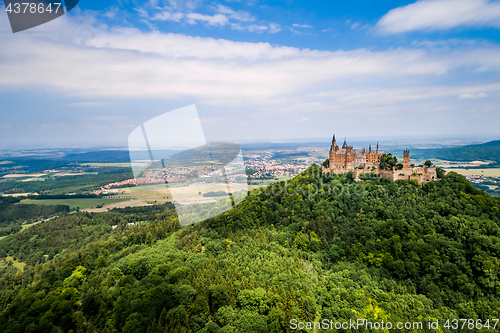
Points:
[(333, 139), (345, 144)]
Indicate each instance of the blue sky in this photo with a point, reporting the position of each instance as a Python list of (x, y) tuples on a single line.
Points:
[(256, 70)]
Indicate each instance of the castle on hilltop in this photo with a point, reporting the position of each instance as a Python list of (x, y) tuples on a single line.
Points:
[(346, 159)]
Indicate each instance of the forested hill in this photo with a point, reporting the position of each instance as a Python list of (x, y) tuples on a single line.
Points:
[(375, 250), (486, 151)]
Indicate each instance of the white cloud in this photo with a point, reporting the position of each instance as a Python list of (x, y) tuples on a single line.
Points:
[(274, 28), (189, 4), (181, 47), (149, 24), (471, 96), (301, 25), (126, 63), (237, 26), (304, 119), (389, 97), (440, 15), (239, 15), (112, 12), (354, 25), (88, 104), (224, 10), (258, 28), (168, 16), (217, 19), (104, 118), (223, 16), (142, 12), (466, 96)]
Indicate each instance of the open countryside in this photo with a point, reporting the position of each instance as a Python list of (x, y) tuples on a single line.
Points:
[(73, 203)]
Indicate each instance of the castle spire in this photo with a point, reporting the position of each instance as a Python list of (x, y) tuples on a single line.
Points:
[(345, 144), (334, 143), (370, 148)]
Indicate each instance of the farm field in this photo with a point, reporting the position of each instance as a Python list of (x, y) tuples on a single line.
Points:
[(122, 204), (495, 172), (148, 195), (189, 193), (118, 165), (70, 189), (26, 226), (454, 164), (16, 194), (52, 173), (83, 203), (15, 263), (284, 177)]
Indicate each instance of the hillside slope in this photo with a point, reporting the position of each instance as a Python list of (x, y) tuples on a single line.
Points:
[(489, 151), (379, 250)]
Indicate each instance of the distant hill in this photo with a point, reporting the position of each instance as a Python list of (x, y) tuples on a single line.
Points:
[(103, 156), (489, 151), (282, 145)]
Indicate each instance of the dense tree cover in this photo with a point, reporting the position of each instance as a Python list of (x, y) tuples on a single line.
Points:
[(64, 196), (387, 162), (12, 215), (393, 251), (43, 241), (215, 194), (32, 165), (76, 183)]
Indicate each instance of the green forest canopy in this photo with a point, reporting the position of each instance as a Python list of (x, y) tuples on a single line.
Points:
[(397, 252)]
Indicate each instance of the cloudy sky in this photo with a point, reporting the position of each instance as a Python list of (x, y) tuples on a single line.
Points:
[(256, 70)]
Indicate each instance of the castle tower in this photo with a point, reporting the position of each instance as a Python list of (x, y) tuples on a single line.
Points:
[(333, 149), (406, 158), (377, 148)]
